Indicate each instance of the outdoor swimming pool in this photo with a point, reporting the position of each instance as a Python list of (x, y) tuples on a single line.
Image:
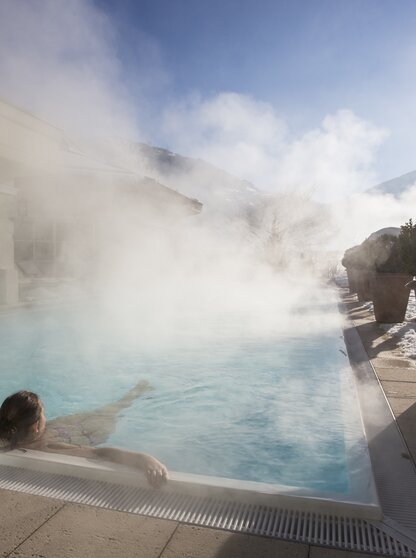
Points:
[(272, 405)]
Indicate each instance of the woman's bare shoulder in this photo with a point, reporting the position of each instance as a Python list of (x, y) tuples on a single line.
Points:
[(51, 445)]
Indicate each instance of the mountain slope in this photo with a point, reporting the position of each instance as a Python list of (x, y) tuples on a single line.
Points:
[(395, 186), (195, 178)]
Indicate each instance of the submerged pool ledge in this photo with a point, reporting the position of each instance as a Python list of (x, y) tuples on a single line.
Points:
[(247, 492)]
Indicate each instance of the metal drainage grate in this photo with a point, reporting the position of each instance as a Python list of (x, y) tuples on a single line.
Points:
[(307, 527)]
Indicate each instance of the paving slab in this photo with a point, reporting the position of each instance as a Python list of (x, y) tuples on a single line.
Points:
[(395, 374), (21, 515), (382, 350), (399, 389), (400, 405), (87, 532), (407, 424), (197, 542), (319, 552), (395, 363), (378, 344)]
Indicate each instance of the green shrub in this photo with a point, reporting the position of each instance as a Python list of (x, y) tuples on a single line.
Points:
[(371, 254), (352, 257), (407, 245), (402, 257)]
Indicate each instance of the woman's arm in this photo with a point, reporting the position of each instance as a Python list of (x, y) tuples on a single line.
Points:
[(155, 471)]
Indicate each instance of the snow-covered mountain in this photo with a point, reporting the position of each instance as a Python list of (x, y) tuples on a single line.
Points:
[(395, 186), (195, 178)]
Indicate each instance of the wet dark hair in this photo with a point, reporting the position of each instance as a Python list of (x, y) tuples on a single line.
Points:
[(18, 413)]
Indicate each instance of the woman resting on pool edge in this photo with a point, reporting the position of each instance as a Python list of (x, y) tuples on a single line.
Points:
[(23, 426)]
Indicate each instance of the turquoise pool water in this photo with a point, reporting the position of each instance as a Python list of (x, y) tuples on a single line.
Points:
[(267, 405)]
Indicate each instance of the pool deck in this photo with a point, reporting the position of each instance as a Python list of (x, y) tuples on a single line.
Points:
[(35, 526)]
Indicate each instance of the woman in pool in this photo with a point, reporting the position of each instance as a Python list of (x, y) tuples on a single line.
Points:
[(23, 426)]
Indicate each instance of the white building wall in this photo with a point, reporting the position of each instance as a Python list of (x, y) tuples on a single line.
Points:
[(8, 272), (27, 146)]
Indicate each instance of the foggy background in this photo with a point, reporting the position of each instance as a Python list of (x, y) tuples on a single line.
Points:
[(278, 209)]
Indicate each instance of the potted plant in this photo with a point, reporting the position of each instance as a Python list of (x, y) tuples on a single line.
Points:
[(356, 262), (407, 246), (395, 265), (349, 262)]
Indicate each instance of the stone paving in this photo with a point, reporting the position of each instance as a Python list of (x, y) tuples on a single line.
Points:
[(38, 527), (34, 526), (396, 373)]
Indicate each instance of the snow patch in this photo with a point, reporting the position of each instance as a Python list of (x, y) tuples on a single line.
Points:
[(406, 331)]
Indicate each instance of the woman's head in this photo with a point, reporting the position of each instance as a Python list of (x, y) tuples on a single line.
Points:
[(21, 417)]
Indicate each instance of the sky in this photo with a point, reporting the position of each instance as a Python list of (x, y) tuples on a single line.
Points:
[(317, 94), (307, 59)]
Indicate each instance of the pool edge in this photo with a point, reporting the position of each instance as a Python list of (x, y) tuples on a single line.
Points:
[(394, 475)]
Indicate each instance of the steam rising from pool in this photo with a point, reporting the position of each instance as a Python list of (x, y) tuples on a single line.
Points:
[(156, 283), (229, 399)]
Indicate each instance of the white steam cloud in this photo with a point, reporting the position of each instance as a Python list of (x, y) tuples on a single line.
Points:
[(63, 64), (250, 140), (367, 212), (59, 60), (158, 278)]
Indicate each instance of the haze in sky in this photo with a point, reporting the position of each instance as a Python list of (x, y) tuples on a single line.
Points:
[(316, 95), (305, 59)]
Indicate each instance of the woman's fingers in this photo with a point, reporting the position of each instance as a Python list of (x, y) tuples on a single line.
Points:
[(156, 476)]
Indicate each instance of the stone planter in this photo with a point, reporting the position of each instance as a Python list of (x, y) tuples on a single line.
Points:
[(352, 279), (390, 296), (363, 286)]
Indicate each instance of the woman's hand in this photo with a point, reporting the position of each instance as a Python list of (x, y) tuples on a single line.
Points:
[(156, 472)]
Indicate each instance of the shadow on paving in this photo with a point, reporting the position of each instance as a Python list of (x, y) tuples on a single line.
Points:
[(370, 334), (394, 471), (245, 546), (393, 459), (373, 337), (407, 424), (370, 338), (191, 541)]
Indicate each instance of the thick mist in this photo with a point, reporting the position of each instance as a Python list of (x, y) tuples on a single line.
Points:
[(308, 207), (251, 264)]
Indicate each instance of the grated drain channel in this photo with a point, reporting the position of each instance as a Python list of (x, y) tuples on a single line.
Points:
[(298, 526)]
